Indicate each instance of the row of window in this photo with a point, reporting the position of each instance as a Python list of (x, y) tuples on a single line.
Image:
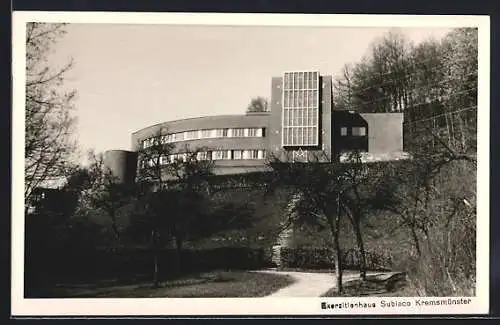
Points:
[(300, 117), (300, 136), (357, 131), (205, 134), (301, 80), (210, 155), (300, 98)]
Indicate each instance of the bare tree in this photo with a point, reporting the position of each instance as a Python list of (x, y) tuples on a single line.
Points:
[(171, 182), (321, 188), (49, 123)]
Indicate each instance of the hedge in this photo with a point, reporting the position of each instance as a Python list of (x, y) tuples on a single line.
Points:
[(324, 258), (63, 264)]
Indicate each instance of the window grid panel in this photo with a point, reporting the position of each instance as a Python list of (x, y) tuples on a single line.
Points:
[(301, 110)]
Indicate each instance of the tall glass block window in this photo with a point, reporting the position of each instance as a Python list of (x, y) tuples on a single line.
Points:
[(300, 109)]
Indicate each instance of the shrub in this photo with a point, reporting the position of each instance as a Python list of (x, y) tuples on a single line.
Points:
[(323, 258), (61, 264)]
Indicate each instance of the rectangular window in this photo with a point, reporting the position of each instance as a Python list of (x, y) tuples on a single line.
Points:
[(219, 133), (254, 154), (237, 154), (359, 131), (286, 83), (192, 135), (179, 136), (254, 132), (202, 155), (261, 154), (216, 155), (205, 134), (220, 155), (225, 132), (343, 131), (238, 132)]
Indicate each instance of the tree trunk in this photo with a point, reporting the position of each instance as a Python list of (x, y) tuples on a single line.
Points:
[(361, 249), (338, 256), (356, 227), (334, 228), (355, 217)]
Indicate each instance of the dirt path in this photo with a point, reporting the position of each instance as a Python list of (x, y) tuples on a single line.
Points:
[(309, 284)]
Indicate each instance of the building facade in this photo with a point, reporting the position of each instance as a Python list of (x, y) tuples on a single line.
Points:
[(301, 125)]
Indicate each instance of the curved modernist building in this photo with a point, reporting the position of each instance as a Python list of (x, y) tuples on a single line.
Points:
[(238, 143), (300, 126)]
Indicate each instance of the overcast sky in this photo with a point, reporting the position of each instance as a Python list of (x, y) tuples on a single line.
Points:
[(132, 76)]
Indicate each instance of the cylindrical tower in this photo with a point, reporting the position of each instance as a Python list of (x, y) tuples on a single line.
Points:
[(122, 164)]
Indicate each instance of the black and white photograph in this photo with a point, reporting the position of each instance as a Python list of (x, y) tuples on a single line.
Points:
[(250, 156)]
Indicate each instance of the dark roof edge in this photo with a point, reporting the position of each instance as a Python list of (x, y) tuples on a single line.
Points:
[(199, 117)]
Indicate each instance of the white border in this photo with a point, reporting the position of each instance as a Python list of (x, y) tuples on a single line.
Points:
[(253, 306)]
